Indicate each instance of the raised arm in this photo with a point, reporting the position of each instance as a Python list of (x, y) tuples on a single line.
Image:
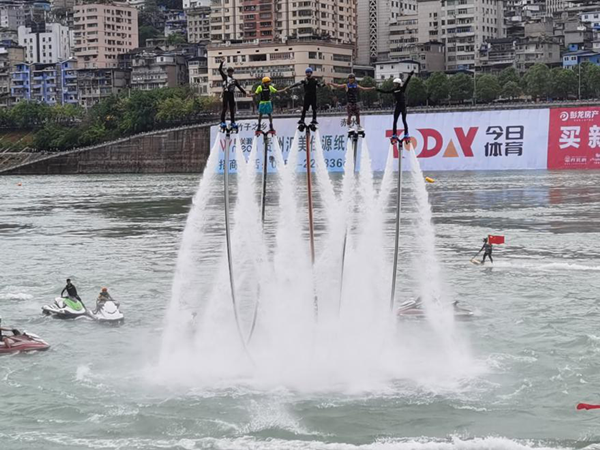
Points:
[(407, 80), (223, 74)]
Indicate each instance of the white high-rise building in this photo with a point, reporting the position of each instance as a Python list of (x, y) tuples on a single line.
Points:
[(465, 26), (192, 4), (49, 46), (373, 27)]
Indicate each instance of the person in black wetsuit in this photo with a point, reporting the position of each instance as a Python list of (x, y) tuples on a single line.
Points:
[(352, 89), (71, 290), (310, 85), (399, 91), (229, 86), (487, 251)]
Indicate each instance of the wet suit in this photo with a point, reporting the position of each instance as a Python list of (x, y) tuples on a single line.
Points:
[(487, 251), (400, 97), (310, 96), (229, 85), (71, 290)]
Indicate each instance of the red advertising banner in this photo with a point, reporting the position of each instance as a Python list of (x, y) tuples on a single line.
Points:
[(574, 138)]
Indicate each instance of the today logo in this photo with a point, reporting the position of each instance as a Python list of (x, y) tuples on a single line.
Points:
[(433, 142)]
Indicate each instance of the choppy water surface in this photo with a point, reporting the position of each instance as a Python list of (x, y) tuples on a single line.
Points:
[(535, 340)]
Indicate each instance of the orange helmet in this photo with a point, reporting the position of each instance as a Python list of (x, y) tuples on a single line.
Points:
[(266, 80), (104, 290)]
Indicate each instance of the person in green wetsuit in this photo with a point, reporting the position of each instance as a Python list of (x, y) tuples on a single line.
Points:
[(265, 105)]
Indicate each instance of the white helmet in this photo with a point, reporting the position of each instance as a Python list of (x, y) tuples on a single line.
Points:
[(398, 81)]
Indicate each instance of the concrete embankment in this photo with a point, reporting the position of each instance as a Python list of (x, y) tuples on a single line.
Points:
[(182, 150)]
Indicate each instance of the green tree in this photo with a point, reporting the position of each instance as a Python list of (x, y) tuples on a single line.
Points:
[(369, 98), (563, 83), (488, 88), (387, 100), (537, 81), (175, 39), (174, 110), (460, 87), (511, 90), (591, 81), (29, 115), (146, 32), (416, 92), (438, 88), (93, 134), (508, 75)]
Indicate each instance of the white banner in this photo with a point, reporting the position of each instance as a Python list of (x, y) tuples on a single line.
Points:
[(478, 140)]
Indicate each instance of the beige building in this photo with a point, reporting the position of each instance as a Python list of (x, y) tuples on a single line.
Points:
[(94, 85), (430, 55), (280, 20), (374, 19), (198, 25), (102, 32), (285, 63), (157, 69), (198, 72), (9, 56)]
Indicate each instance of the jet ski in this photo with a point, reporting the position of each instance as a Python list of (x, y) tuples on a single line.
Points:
[(414, 309), (108, 312), (22, 342), (65, 308)]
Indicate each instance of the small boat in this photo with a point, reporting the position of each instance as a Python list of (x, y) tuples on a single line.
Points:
[(65, 308)]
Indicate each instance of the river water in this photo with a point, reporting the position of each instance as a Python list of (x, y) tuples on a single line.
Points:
[(535, 342)]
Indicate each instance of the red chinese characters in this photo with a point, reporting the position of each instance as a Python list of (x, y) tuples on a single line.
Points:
[(574, 138)]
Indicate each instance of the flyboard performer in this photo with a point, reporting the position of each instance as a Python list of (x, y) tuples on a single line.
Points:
[(399, 92), (264, 93), (229, 86), (352, 90), (310, 85)]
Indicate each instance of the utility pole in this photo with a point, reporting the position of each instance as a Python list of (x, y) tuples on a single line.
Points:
[(579, 87)]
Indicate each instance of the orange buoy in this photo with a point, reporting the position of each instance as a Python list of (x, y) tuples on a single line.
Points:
[(429, 180), (19, 184)]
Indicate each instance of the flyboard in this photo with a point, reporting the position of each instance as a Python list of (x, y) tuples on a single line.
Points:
[(263, 206), (311, 226), (353, 136), (228, 131), (398, 213)]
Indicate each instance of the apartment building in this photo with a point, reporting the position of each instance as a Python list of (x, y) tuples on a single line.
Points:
[(176, 22), (374, 18), (9, 56), (226, 21), (391, 69), (533, 50), (102, 32), (157, 69), (94, 85), (198, 25), (14, 14), (193, 4), (285, 63), (258, 20), (198, 72), (67, 81), (430, 55), (465, 26), (50, 43)]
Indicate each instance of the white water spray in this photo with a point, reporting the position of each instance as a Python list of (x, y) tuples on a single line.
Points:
[(354, 347)]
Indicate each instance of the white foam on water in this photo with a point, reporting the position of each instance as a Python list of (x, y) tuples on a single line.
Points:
[(543, 266), (358, 348)]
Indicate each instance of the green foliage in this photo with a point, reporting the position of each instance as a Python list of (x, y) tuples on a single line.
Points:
[(511, 90), (416, 92), (29, 115), (591, 81), (509, 75), (368, 98), (387, 100), (147, 32), (176, 38), (563, 83), (438, 88), (488, 88), (537, 81), (461, 87)]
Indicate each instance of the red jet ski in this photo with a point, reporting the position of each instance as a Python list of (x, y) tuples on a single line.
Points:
[(414, 309), (22, 342)]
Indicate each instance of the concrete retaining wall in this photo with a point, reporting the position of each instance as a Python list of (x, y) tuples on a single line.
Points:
[(182, 150)]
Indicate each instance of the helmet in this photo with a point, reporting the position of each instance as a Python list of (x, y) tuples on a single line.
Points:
[(266, 80), (308, 70), (351, 76), (398, 81), (230, 69), (104, 290), (484, 239)]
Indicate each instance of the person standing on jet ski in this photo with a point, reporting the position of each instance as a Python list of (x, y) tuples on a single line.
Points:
[(487, 251), (71, 290)]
